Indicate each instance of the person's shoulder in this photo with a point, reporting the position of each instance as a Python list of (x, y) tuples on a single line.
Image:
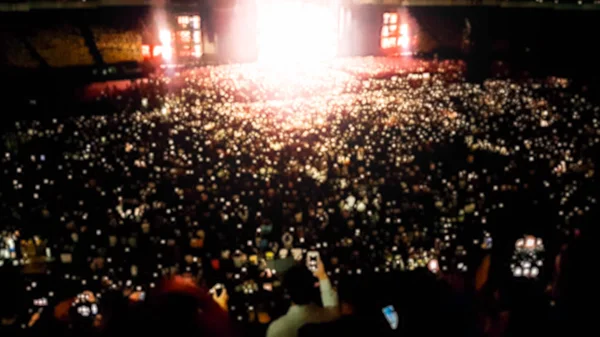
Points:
[(275, 327)]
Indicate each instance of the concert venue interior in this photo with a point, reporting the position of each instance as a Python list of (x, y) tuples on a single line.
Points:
[(298, 167)]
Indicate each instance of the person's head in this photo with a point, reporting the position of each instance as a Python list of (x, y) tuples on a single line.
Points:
[(352, 300), (176, 311), (299, 283), (181, 307)]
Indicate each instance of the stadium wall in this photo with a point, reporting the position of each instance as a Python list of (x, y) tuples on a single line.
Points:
[(539, 38)]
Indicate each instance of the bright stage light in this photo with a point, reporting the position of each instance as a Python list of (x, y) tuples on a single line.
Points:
[(164, 35), (296, 31), (145, 50)]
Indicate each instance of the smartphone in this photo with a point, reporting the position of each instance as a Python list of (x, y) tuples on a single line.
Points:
[(40, 302), (217, 289), (312, 260), (87, 311), (433, 266), (391, 316), (487, 242)]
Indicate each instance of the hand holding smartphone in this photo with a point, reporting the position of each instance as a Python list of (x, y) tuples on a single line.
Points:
[(220, 296), (312, 260), (315, 265), (217, 289)]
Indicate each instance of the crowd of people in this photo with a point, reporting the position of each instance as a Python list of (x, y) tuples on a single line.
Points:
[(415, 190), (61, 46), (64, 46), (118, 45)]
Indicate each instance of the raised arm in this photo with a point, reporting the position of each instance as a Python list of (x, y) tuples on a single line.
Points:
[(329, 296)]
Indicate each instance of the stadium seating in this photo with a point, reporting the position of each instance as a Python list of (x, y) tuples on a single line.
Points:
[(117, 45), (61, 46), (15, 53)]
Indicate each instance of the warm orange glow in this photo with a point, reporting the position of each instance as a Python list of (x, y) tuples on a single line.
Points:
[(183, 20), (392, 37), (145, 50), (389, 42), (185, 36)]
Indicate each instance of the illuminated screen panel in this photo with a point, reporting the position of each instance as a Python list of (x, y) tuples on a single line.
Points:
[(181, 41), (394, 33), (295, 30), (188, 36), (185, 36)]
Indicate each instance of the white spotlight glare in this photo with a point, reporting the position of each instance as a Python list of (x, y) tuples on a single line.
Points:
[(296, 31), (164, 35)]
